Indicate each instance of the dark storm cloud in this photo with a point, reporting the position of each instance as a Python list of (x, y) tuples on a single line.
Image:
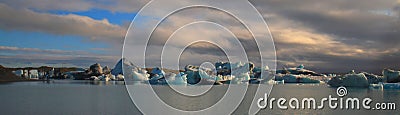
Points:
[(354, 22), (334, 36), (325, 35)]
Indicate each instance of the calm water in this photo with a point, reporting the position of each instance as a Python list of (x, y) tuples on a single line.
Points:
[(87, 97)]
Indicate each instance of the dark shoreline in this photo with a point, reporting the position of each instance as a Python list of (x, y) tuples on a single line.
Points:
[(21, 80)]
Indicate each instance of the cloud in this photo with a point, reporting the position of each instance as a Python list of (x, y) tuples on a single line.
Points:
[(334, 36), (19, 50), (352, 21), (77, 5), (37, 60), (315, 33), (27, 20), (329, 36), (123, 5)]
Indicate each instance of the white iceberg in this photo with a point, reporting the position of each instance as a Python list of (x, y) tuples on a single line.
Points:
[(33, 74), (176, 79), (119, 77), (95, 78), (119, 67), (139, 74), (19, 72)]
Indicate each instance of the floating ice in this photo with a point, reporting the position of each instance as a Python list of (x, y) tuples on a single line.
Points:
[(157, 71), (242, 78), (349, 80), (118, 69), (19, 72), (139, 74), (298, 71), (372, 78), (119, 77), (391, 76), (391, 85), (176, 79), (290, 78), (95, 78), (33, 74)]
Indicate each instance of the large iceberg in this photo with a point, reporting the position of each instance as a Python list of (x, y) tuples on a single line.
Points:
[(135, 74), (125, 69), (94, 71), (298, 75), (118, 69), (197, 75), (298, 71), (349, 80), (372, 78)]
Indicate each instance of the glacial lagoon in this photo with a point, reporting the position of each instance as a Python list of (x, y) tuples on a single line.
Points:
[(100, 97)]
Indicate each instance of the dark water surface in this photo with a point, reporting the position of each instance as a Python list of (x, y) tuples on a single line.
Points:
[(88, 97)]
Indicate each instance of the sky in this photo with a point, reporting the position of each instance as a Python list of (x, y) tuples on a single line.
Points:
[(324, 35)]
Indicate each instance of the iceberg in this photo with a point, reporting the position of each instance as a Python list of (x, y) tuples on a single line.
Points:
[(157, 72), (298, 71), (19, 72), (176, 79), (118, 69), (159, 77), (33, 74), (243, 78), (95, 78), (257, 71), (372, 78), (138, 74), (119, 77), (226, 68), (290, 78), (193, 76), (106, 70), (349, 80), (391, 76), (95, 70), (238, 73), (132, 72), (391, 85), (197, 75)]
